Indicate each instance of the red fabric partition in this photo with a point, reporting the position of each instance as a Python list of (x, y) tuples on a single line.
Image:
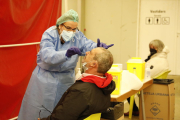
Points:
[(21, 21)]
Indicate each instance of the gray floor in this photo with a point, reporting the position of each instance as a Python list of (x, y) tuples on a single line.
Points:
[(177, 99)]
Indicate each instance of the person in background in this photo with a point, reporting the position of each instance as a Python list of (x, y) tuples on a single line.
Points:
[(157, 60), (91, 92), (60, 47)]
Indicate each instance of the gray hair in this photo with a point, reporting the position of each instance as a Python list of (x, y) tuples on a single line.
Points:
[(104, 59), (158, 44)]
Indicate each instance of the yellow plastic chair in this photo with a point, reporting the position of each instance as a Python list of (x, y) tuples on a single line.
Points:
[(131, 106), (163, 75), (96, 116)]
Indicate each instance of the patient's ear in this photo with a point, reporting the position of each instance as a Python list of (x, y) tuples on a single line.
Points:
[(94, 63)]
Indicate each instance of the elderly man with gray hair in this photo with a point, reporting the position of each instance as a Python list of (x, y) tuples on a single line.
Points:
[(91, 92), (157, 60)]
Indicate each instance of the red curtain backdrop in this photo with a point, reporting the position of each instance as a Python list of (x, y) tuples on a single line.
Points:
[(21, 21)]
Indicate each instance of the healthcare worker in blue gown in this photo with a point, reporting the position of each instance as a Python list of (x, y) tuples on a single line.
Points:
[(60, 47)]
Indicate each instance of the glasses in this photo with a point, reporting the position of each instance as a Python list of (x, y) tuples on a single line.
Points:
[(69, 28), (45, 109)]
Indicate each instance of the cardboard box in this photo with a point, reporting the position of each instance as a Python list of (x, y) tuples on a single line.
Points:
[(159, 101)]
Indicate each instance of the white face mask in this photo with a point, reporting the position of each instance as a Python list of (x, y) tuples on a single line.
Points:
[(67, 35), (84, 66)]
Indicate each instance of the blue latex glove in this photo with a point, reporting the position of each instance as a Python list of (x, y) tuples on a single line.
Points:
[(100, 44), (72, 51)]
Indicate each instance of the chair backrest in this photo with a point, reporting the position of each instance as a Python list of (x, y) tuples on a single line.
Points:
[(163, 75), (96, 116)]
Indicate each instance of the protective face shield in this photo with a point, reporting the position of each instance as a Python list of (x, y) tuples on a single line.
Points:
[(67, 35)]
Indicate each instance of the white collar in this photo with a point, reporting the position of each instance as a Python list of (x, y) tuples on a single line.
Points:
[(86, 74)]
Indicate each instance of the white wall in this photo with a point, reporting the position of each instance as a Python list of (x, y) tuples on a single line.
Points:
[(178, 41), (69, 4), (114, 22), (78, 6)]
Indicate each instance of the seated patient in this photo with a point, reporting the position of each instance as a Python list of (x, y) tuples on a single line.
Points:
[(157, 60), (91, 92)]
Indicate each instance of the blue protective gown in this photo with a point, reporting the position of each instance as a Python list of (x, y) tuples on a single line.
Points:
[(53, 75)]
